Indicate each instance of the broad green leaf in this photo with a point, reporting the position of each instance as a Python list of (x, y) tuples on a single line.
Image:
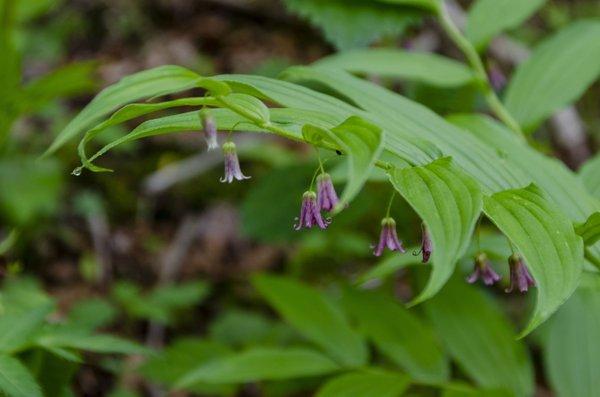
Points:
[(480, 338), (362, 143), (149, 83), (560, 183), (590, 230), (395, 63), (488, 18), (366, 383), (590, 175), (182, 356), (315, 317), (261, 364), (351, 23), (558, 71), (18, 329), (545, 238), (16, 380), (399, 335), (571, 350), (449, 203), (247, 105), (412, 131)]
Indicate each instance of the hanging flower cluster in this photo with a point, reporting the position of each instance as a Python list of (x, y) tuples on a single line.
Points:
[(326, 199), (519, 274)]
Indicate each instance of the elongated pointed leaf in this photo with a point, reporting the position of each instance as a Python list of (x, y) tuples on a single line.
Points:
[(399, 335), (368, 383), (545, 238), (261, 364), (16, 380), (487, 18), (149, 83), (571, 349), (449, 202), (413, 66), (480, 338), (311, 313), (558, 71)]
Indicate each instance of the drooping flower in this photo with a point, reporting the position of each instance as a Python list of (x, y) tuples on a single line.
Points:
[(426, 245), (210, 130), (327, 198), (310, 214), (482, 269), (519, 275), (388, 237), (232, 164)]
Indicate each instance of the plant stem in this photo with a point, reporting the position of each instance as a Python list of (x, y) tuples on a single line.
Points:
[(478, 69)]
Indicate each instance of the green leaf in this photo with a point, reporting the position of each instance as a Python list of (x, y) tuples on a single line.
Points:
[(92, 313), (424, 67), (412, 131), (74, 339), (261, 364), (571, 351), (315, 317), (590, 175), (354, 23), (30, 188), (590, 230), (248, 105), (399, 335), (17, 330), (558, 71), (73, 79), (16, 380), (162, 303), (480, 338), (366, 383), (240, 328), (362, 142), (149, 83), (488, 18), (180, 358), (545, 238), (449, 203)]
